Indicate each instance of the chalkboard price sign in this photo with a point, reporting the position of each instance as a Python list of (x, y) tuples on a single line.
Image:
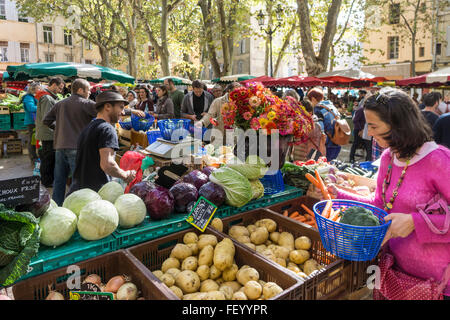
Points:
[(90, 291), (201, 214), (19, 191)]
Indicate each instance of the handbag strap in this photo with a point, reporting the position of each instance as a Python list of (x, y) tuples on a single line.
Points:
[(445, 279), (443, 205)]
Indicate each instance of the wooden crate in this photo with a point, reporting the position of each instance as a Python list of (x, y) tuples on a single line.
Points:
[(4, 110), (11, 146), (138, 137)]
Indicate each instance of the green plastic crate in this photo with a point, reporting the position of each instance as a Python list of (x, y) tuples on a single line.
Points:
[(73, 251), (5, 122), (18, 120)]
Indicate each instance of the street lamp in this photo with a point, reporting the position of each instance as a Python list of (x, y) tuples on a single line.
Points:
[(269, 31)]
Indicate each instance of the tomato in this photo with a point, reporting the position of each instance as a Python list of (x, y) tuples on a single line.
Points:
[(299, 163), (323, 159), (310, 162)]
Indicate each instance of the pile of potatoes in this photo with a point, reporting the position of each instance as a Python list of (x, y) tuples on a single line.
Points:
[(201, 268), (280, 247)]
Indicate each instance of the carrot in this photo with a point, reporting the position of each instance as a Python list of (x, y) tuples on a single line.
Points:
[(294, 214), (285, 213), (307, 209), (327, 209), (308, 216), (334, 215), (312, 180), (301, 218), (322, 187), (309, 223)]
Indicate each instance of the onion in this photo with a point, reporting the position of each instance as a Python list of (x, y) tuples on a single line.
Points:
[(128, 291), (141, 298), (54, 295), (115, 283), (3, 297), (93, 278), (332, 178)]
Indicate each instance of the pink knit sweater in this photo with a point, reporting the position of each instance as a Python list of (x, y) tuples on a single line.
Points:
[(422, 254)]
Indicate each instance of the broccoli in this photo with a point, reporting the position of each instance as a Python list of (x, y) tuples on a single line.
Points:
[(358, 216)]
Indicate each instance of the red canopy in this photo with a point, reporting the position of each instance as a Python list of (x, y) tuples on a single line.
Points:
[(297, 81), (433, 79)]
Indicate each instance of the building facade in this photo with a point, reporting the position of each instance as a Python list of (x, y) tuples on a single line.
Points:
[(442, 59), (389, 51)]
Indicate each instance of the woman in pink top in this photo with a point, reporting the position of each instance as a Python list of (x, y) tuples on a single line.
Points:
[(413, 170)]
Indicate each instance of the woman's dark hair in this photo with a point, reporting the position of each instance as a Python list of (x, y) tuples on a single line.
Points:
[(147, 92), (315, 93), (164, 89), (133, 93), (409, 129), (308, 105)]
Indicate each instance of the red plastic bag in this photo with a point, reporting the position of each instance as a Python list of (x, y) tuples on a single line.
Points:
[(132, 160)]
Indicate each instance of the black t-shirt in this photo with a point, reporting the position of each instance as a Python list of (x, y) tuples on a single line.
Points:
[(198, 104), (431, 117), (88, 173)]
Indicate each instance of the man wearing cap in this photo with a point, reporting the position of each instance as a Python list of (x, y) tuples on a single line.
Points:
[(95, 163)]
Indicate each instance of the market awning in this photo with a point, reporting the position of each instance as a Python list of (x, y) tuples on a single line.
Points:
[(234, 78), (351, 77), (262, 79), (297, 81), (68, 70), (437, 78), (176, 80)]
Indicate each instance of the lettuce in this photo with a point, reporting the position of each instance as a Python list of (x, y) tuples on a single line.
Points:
[(19, 242), (253, 168), (237, 188)]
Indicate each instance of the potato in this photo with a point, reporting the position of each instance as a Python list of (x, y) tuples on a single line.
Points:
[(281, 252), (270, 225), (209, 285), (302, 274), (243, 239), (268, 254), (250, 245), (234, 285), (217, 224), (281, 262), (206, 239), (215, 295), (194, 248), (261, 282), (271, 289), (299, 256), (268, 243), (236, 231), (220, 281), (173, 272), (214, 273), (188, 281), (229, 274), (274, 237), (244, 267), (158, 274), (247, 274), (181, 251), (303, 243), (224, 254), (241, 289), (252, 290), (259, 236), (177, 291), (203, 272), (195, 296), (286, 240), (170, 263), (251, 228), (239, 296), (227, 292), (310, 266), (206, 256), (260, 248), (190, 237), (190, 263), (168, 280), (294, 268)]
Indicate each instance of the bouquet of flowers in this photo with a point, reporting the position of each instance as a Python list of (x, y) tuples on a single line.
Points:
[(255, 107)]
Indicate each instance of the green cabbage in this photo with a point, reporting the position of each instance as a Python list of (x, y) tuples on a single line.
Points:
[(253, 168), (97, 220), (78, 199), (53, 205), (237, 188), (58, 226), (19, 242), (131, 210), (257, 189), (111, 191)]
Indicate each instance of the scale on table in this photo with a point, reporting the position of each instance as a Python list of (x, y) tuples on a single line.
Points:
[(174, 149)]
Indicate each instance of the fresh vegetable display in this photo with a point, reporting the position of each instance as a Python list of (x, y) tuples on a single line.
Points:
[(354, 168), (184, 193), (203, 268), (213, 192), (12, 102), (58, 225), (78, 199), (160, 203), (97, 220), (111, 191), (237, 187), (358, 216), (131, 210), (39, 207), (279, 246)]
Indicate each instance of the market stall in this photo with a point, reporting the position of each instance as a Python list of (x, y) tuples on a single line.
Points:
[(433, 79)]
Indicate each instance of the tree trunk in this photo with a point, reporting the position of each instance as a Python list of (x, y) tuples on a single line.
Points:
[(282, 52), (104, 54), (413, 55), (165, 57), (205, 6), (332, 58), (224, 39)]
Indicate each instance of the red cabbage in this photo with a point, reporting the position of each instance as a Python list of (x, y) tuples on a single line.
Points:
[(197, 178), (213, 192), (208, 170), (142, 188), (159, 202), (183, 193)]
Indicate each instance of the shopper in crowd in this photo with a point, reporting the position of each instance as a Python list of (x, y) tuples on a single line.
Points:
[(164, 106), (441, 130), (176, 96), (431, 102), (68, 118), (291, 93), (196, 103), (416, 98), (123, 91), (217, 91), (145, 103), (444, 105), (30, 106), (97, 144), (413, 171), (132, 99), (359, 124), (46, 100), (214, 114)]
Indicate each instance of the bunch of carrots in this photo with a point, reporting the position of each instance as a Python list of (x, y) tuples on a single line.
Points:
[(308, 218), (328, 212)]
